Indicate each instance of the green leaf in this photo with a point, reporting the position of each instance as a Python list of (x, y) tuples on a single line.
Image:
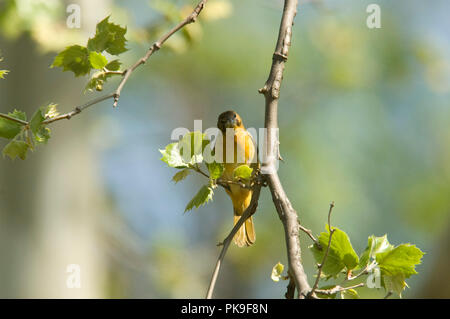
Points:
[(36, 120), (191, 147), (178, 177), (341, 254), (74, 58), (42, 135), (97, 81), (108, 37), (375, 245), (243, 172), (3, 73), (277, 270), (172, 157), (399, 261), (215, 170), (203, 196), (8, 128), (114, 65), (349, 294), (98, 61), (16, 149), (395, 283)]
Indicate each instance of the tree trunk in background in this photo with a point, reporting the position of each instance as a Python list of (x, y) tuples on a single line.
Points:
[(51, 204)]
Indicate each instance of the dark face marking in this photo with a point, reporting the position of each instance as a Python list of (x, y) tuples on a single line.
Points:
[(229, 119)]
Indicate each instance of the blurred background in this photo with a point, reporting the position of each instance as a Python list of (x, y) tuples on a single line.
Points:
[(364, 117)]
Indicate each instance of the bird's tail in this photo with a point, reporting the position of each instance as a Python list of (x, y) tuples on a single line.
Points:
[(245, 236)]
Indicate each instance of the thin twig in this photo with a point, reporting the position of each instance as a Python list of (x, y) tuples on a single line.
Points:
[(126, 74), (78, 109), (13, 119), (337, 289), (320, 267), (310, 235), (156, 46), (226, 243), (271, 91)]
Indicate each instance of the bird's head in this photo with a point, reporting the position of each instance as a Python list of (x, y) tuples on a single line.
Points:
[(229, 119)]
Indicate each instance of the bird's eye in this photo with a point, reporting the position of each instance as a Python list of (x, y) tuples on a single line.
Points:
[(234, 116)]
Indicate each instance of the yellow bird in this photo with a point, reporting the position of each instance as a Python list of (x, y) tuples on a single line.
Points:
[(244, 153)]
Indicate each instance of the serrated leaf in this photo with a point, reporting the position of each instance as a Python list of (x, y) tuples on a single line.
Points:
[(204, 195), (341, 253), (399, 261), (277, 270), (375, 245), (215, 170), (97, 81), (172, 156), (74, 58), (16, 149), (108, 37), (191, 147), (51, 111), (178, 177), (8, 128), (98, 61), (349, 294), (36, 120), (114, 65), (395, 283), (242, 172)]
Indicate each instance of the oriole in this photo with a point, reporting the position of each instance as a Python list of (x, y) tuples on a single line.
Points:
[(245, 149)]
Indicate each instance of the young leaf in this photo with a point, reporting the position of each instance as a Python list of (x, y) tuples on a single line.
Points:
[(98, 61), (114, 65), (243, 172), (178, 177), (215, 170), (8, 128), (74, 58), (97, 81), (349, 294), (277, 270), (395, 283), (36, 120), (375, 245), (3, 73), (108, 37), (341, 253), (42, 135), (191, 147), (16, 149), (203, 196), (172, 157), (400, 260)]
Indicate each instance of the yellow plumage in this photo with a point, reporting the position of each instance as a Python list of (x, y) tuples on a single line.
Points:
[(244, 153)]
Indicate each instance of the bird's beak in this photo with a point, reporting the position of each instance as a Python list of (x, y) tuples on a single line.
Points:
[(230, 123)]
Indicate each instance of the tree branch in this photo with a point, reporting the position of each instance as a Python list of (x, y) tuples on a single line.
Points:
[(156, 46), (325, 255), (13, 119), (127, 73), (226, 243), (271, 91), (337, 289)]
